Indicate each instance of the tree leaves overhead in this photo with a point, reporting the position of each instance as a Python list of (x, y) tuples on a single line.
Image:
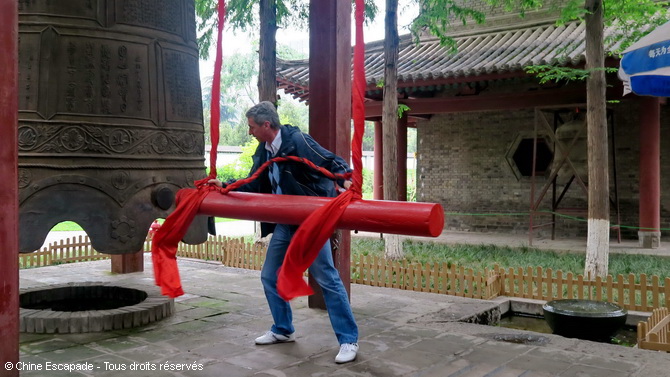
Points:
[(437, 16), (243, 15)]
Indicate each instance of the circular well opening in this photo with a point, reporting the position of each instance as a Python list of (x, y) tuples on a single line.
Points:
[(81, 298)]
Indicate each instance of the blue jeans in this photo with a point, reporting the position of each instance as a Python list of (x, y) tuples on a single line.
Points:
[(324, 273)]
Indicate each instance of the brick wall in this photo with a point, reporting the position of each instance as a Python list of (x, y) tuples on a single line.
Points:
[(462, 164)]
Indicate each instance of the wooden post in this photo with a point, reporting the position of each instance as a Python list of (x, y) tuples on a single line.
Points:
[(127, 263), (650, 173), (597, 244), (330, 103), (9, 202)]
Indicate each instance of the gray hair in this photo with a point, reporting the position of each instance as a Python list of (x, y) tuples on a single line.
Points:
[(263, 112)]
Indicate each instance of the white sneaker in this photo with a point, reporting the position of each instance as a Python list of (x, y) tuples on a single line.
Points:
[(272, 338), (347, 353)]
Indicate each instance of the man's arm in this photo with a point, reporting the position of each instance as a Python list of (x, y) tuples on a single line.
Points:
[(320, 156)]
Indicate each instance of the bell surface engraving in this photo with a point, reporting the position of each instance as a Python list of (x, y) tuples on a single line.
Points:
[(110, 117)]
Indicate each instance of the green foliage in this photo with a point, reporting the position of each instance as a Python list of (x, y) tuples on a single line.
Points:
[(294, 113), (486, 256), (411, 140), (520, 6), (230, 171), (634, 19), (401, 109), (288, 53), (411, 185), (548, 73), (238, 92), (369, 137), (68, 226), (205, 25), (572, 10), (368, 179), (241, 167), (234, 133), (248, 150), (438, 15), (243, 15)]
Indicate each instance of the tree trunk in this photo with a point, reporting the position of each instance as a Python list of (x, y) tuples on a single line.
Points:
[(393, 246), (597, 245), (267, 52), (267, 67)]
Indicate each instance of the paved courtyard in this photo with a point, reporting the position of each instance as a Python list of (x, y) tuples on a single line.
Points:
[(402, 334)]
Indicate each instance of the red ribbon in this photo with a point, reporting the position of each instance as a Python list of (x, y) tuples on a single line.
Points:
[(315, 231), (167, 237)]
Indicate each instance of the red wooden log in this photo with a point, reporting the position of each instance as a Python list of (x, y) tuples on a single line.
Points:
[(380, 216)]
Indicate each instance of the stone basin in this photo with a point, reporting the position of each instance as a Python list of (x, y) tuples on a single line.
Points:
[(584, 319)]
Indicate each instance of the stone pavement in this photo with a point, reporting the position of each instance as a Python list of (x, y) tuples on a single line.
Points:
[(401, 334)]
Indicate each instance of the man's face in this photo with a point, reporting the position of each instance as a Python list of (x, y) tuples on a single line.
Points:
[(262, 132)]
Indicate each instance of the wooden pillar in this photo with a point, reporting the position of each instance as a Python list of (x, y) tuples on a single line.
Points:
[(650, 173), (330, 103), (127, 263), (402, 158), (378, 176), (9, 195)]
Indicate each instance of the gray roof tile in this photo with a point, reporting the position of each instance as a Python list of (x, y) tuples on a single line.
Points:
[(488, 52)]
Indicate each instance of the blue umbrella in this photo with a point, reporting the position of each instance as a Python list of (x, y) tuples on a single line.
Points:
[(645, 66)]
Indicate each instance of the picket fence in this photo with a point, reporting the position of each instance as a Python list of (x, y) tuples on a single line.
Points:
[(435, 278), (69, 250), (233, 252), (654, 333), (640, 293)]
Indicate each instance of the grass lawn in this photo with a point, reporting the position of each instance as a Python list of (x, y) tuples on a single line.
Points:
[(486, 256)]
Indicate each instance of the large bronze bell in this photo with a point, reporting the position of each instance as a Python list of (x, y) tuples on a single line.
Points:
[(110, 117)]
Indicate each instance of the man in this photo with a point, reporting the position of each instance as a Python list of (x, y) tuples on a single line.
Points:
[(295, 178)]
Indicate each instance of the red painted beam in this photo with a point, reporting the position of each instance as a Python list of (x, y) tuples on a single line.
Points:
[(506, 101), (503, 101), (379, 216), (9, 202)]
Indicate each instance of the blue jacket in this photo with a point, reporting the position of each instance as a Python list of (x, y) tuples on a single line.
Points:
[(297, 178)]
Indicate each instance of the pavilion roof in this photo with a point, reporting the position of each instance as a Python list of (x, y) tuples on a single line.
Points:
[(482, 55)]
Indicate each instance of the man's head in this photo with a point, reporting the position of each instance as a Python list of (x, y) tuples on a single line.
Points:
[(263, 121)]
